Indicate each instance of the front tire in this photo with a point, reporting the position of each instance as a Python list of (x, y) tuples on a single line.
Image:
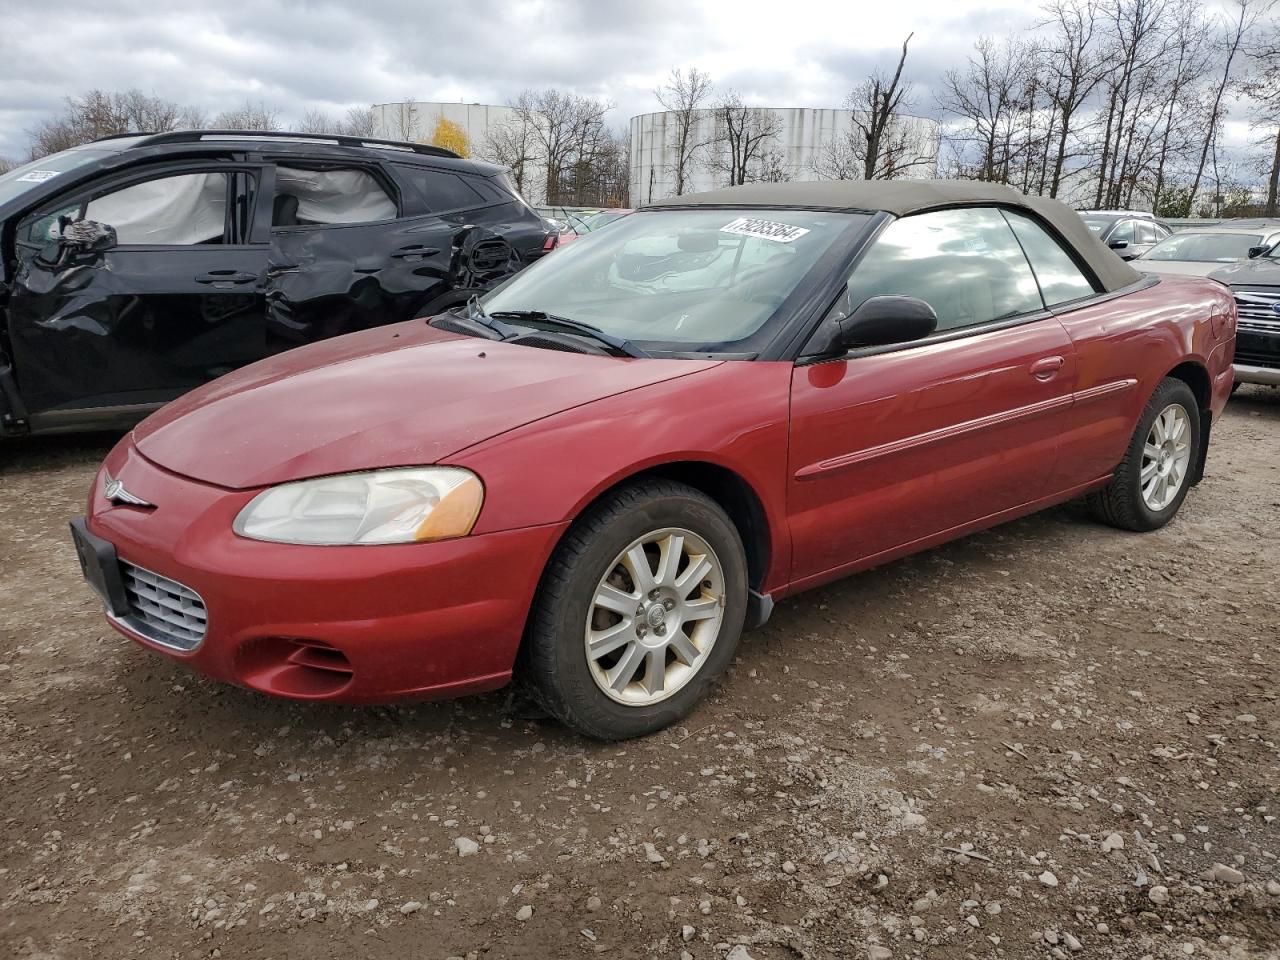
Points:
[(640, 609), (1152, 480)]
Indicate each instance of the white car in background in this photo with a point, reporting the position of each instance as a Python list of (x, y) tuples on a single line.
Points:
[(1199, 251)]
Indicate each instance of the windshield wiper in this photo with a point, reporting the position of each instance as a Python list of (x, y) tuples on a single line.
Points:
[(476, 314), (574, 326)]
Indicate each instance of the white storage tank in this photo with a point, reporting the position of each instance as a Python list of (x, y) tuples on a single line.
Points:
[(800, 150)]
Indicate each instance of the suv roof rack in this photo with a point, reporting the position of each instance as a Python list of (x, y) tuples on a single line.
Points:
[(194, 136)]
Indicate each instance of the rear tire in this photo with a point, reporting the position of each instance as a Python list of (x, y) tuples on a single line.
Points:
[(640, 609), (1152, 480)]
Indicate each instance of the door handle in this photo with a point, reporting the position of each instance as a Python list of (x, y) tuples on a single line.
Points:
[(1047, 367), (226, 277), (414, 253)]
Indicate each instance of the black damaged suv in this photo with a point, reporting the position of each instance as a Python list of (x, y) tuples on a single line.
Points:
[(135, 268)]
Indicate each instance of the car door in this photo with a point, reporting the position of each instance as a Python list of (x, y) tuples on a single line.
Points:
[(891, 447), (354, 246), (170, 298)]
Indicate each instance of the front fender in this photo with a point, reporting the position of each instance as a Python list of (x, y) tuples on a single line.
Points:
[(734, 416)]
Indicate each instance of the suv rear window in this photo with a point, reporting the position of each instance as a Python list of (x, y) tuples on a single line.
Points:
[(442, 190)]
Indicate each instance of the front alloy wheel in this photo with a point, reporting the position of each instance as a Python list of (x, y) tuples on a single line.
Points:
[(655, 616), (639, 610)]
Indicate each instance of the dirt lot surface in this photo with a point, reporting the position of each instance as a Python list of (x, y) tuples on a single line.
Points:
[(1042, 741)]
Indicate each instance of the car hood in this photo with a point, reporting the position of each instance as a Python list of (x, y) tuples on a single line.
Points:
[(1262, 272), (1179, 268), (399, 395)]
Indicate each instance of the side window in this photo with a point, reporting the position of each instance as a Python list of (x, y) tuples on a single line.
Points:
[(308, 198), (1147, 232), (1123, 231), (178, 211), (441, 190), (964, 263), (1059, 277)]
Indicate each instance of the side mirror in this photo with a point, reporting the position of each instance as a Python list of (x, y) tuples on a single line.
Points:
[(1256, 252), (88, 236), (1119, 244), (881, 321), (76, 240)]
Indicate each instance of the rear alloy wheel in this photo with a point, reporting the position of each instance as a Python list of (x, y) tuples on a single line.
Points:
[(1166, 457), (1152, 480), (640, 609)]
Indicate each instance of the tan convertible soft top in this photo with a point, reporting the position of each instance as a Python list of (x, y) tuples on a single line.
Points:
[(904, 197)]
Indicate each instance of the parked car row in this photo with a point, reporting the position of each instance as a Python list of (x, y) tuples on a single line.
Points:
[(596, 475), (1244, 255), (572, 223), (1130, 233)]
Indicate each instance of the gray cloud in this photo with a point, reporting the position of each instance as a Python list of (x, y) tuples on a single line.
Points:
[(296, 55)]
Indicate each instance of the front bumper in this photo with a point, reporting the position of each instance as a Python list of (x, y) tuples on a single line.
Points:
[(365, 624), (1249, 373), (1257, 357)]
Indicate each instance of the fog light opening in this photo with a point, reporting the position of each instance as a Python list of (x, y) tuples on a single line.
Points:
[(294, 667)]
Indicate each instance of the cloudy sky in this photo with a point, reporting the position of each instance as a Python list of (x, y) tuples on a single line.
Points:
[(306, 54)]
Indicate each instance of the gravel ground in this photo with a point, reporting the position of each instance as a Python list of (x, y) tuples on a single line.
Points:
[(1047, 740)]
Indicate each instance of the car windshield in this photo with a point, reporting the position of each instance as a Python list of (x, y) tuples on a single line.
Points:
[(1098, 225), (688, 280), (1205, 247), (30, 175)]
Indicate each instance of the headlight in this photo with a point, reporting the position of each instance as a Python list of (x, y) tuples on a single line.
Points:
[(406, 505)]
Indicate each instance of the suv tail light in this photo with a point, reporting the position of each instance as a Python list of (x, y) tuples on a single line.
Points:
[(552, 241)]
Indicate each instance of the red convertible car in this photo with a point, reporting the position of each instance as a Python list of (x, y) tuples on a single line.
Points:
[(598, 474)]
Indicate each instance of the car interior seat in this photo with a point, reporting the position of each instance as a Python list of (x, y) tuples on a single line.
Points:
[(284, 210)]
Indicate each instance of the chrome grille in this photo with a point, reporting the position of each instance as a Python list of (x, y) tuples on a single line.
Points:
[(163, 610), (1258, 310)]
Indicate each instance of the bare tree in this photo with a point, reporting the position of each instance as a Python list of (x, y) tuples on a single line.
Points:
[(685, 95), (1233, 34), (404, 120), (99, 113), (257, 117), (1187, 62), (743, 136), (514, 145), (985, 98), (1073, 66), (192, 118), (357, 122), (317, 121), (881, 140), (773, 167), (604, 177), (568, 135), (360, 122), (1138, 48), (1262, 88)]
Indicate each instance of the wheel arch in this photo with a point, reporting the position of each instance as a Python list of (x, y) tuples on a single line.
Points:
[(728, 488), (735, 496), (1196, 376)]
